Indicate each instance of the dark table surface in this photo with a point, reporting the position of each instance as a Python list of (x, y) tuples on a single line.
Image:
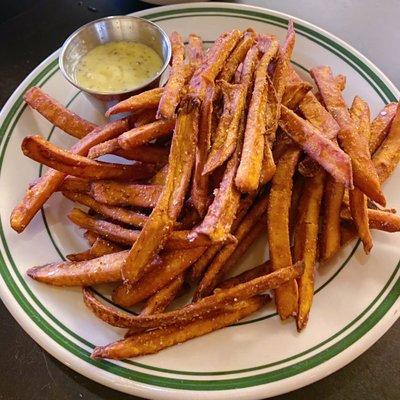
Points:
[(29, 31)]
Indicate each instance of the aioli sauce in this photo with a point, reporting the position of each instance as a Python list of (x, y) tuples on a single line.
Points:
[(117, 66)]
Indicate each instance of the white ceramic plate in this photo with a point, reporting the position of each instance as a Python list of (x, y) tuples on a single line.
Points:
[(356, 299)]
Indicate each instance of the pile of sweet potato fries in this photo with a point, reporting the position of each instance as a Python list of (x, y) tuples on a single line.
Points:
[(235, 144)]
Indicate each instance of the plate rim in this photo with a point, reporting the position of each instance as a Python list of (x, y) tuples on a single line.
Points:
[(21, 317)]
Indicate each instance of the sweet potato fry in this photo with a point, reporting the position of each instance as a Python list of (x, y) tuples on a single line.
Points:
[(37, 195), (56, 114), (249, 172), (388, 155), (194, 51), (115, 213), (295, 89), (245, 233), (154, 341), (286, 296), (139, 102), (255, 272), (200, 196), (104, 269), (201, 264), (364, 174), (149, 153), (102, 247), (226, 259), (73, 184), (144, 117), (82, 256), (330, 233), (161, 271), (169, 205), (213, 62), (377, 219), (380, 126), (317, 146), (107, 230), (320, 118), (289, 40), (227, 136), (305, 242), (125, 194), (44, 152), (176, 80), (218, 300), (160, 177), (101, 149), (360, 115), (124, 236), (99, 248), (237, 56), (221, 213), (146, 133), (160, 300)]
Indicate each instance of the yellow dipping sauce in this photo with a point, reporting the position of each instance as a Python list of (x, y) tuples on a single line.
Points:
[(117, 66)]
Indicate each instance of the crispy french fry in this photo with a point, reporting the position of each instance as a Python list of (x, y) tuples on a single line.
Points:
[(115, 213), (320, 118), (213, 62), (356, 146), (360, 115), (248, 275), (218, 300), (201, 264), (377, 219), (104, 269), (160, 177), (154, 341), (330, 238), (380, 126), (44, 152), (146, 133), (160, 300), (124, 236), (125, 194), (245, 233), (164, 215), (37, 195), (105, 229), (305, 242), (74, 184), (99, 248), (194, 51), (139, 102), (334, 160), (229, 129), (56, 114), (176, 80), (226, 139), (249, 172), (237, 56), (108, 147), (221, 213), (144, 117), (83, 256), (388, 155), (160, 273), (295, 89), (149, 153), (102, 247), (286, 296), (200, 195)]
